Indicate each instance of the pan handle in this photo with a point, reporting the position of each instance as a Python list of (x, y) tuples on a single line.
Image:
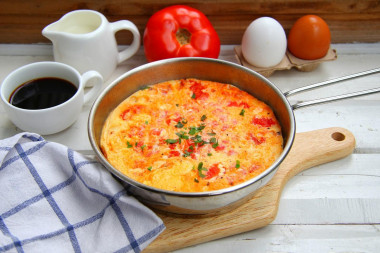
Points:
[(329, 82)]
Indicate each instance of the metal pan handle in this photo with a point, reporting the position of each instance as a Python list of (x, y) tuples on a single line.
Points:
[(334, 98)]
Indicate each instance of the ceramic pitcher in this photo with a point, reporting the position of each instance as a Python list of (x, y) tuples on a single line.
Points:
[(86, 40)]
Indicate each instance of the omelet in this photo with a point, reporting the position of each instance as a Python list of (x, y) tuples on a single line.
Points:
[(191, 135)]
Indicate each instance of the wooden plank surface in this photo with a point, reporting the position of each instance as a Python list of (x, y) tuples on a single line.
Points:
[(313, 238), (22, 21)]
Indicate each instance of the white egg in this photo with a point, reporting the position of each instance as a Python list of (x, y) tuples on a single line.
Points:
[(264, 42)]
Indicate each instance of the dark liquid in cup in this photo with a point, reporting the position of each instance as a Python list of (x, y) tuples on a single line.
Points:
[(42, 93)]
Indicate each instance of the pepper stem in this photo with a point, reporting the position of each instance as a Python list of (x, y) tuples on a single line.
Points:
[(183, 36)]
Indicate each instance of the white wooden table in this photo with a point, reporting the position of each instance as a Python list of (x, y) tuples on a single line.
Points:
[(330, 208)]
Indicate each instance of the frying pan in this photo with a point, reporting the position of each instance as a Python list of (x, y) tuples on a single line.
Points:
[(217, 201)]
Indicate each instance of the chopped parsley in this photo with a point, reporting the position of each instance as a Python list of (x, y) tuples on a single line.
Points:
[(200, 169), (214, 142), (171, 141), (129, 145), (237, 166), (212, 133), (242, 112), (150, 168), (194, 130), (203, 118), (201, 127), (181, 123), (182, 135), (197, 139), (193, 96)]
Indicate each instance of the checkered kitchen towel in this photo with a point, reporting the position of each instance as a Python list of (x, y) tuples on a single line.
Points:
[(53, 199)]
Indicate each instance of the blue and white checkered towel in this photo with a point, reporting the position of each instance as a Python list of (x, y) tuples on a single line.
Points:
[(53, 199)]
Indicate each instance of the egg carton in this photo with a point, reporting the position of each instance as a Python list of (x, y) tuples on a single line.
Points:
[(289, 61)]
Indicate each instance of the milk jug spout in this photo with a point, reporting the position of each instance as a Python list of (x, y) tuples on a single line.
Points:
[(50, 33)]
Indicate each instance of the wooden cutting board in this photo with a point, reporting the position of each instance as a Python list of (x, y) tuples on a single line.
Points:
[(309, 149)]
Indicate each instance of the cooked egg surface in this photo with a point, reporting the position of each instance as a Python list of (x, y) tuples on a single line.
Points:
[(191, 136)]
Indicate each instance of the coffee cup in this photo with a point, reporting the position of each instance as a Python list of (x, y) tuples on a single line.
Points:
[(47, 97)]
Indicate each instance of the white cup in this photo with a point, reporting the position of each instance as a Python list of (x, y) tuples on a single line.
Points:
[(53, 119)]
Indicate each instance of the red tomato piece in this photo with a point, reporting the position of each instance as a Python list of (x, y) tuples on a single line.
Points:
[(139, 146), (197, 89), (233, 103), (253, 168), (172, 146), (180, 31), (244, 105), (127, 113), (220, 148), (156, 131), (257, 141), (241, 104), (174, 118), (212, 171), (174, 153), (264, 122)]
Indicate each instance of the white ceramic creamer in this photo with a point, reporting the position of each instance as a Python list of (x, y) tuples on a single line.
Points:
[(86, 40)]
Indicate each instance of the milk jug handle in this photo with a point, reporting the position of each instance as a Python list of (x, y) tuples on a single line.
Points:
[(132, 49)]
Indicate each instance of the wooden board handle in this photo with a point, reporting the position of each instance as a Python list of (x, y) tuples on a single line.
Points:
[(314, 148), (309, 149)]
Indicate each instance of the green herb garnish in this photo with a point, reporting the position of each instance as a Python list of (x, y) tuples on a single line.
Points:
[(212, 133), (182, 135), (129, 145), (237, 166), (201, 127), (242, 112), (200, 168), (214, 142), (179, 125), (203, 118), (192, 130), (195, 130), (171, 141)]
